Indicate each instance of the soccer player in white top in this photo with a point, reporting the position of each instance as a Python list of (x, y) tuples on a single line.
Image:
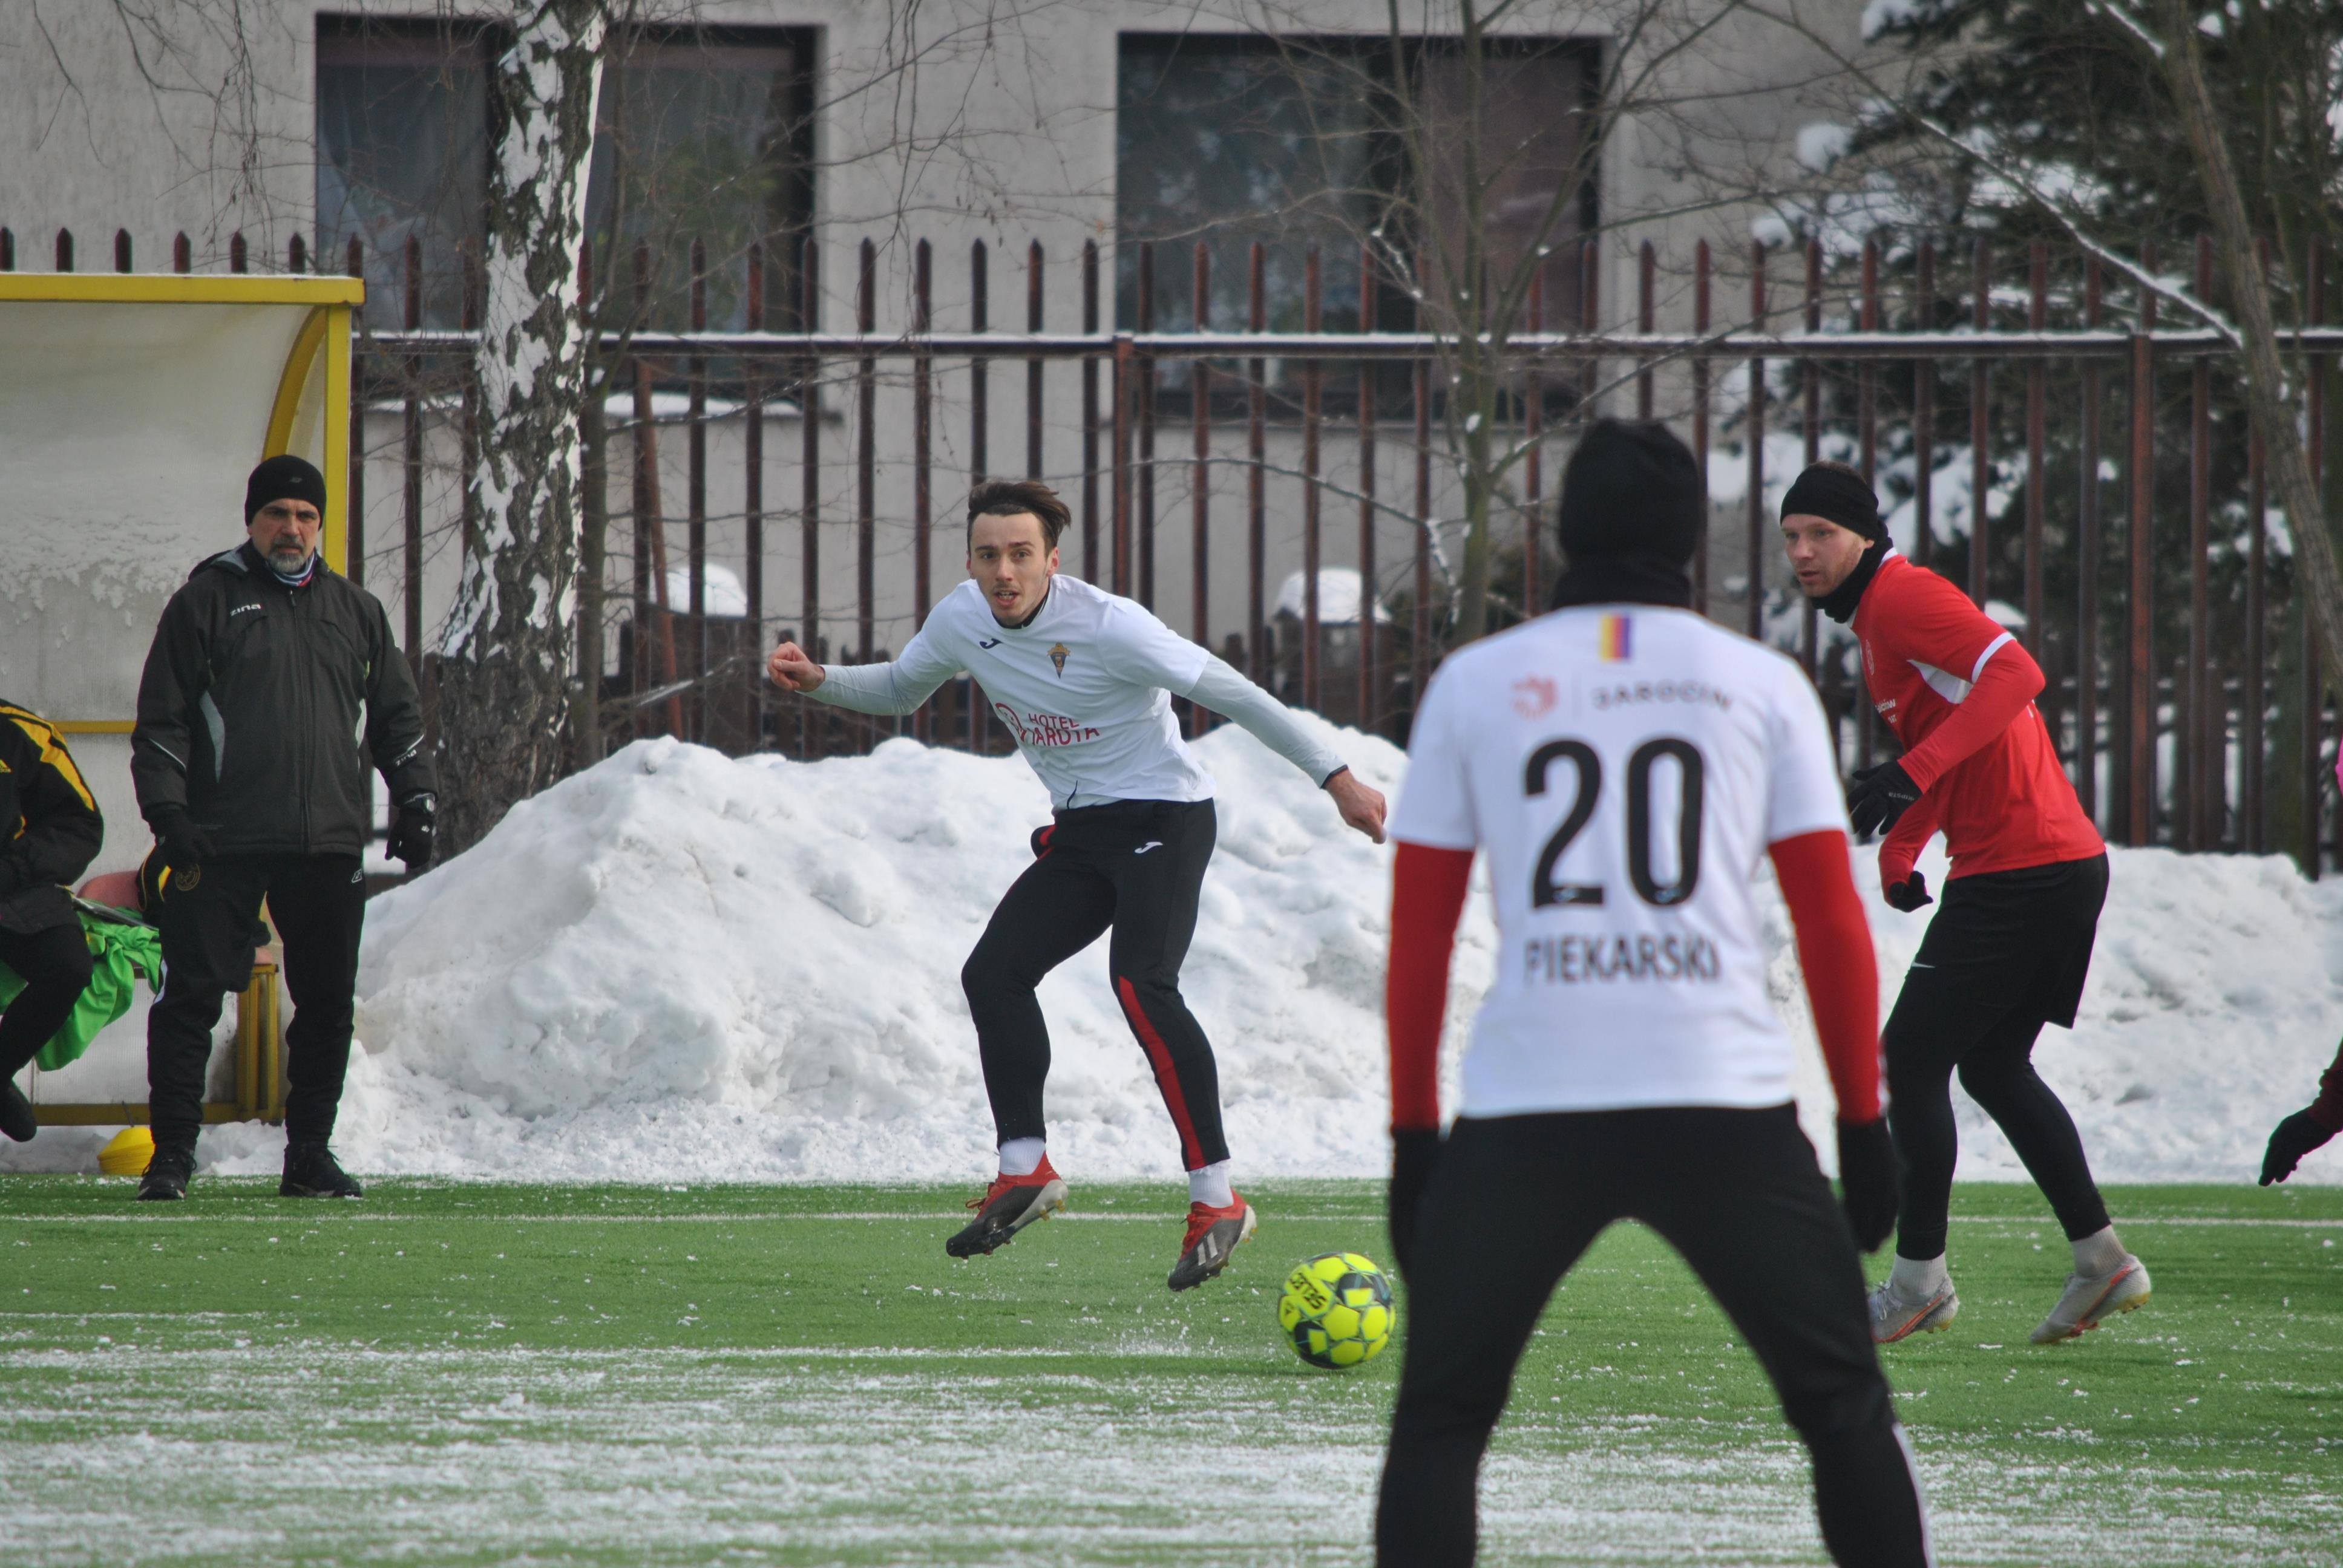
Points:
[(1084, 680), (1625, 764)]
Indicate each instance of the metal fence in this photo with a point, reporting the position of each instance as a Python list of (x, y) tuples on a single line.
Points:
[(2196, 721)]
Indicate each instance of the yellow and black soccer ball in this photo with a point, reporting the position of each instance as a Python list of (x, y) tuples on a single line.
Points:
[(1337, 1310)]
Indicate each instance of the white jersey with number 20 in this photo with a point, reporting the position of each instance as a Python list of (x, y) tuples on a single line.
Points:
[(1623, 767)]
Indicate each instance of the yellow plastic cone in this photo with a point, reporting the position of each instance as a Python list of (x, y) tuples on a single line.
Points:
[(128, 1153)]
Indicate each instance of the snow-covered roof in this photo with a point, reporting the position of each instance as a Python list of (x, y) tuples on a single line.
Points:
[(1338, 596)]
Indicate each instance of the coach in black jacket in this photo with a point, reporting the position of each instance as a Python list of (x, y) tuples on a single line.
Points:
[(271, 684), (50, 831)]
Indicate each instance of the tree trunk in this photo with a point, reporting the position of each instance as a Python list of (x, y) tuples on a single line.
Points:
[(505, 682), (586, 716), (1480, 492), (2266, 380)]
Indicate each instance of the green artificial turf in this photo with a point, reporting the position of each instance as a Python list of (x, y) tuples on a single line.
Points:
[(459, 1374)]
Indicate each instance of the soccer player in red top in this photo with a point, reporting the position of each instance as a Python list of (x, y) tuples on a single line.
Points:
[(1626, 766), (2008, 951)]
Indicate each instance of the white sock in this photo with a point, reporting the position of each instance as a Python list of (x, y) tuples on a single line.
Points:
[(1917, 1278), (1021, 1156), (1210, 1186), (2098, 1253)]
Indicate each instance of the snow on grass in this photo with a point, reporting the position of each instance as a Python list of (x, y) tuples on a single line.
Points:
[(678, 966), (329, 1453)]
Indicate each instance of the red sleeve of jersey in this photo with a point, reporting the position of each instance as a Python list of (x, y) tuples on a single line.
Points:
[(1427, 900), (2009, 680), (1841, 974), (2327, 1111), (1900, 850)]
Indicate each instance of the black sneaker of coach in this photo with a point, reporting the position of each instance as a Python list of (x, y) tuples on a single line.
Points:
[(312, 1172), (167, 1175)]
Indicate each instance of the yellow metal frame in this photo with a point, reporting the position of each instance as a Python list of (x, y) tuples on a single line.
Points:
[(184, 289), (259, 1020), (326, 331), (259, 1070)]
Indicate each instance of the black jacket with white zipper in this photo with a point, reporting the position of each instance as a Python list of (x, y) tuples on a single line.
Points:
[(262, 706)]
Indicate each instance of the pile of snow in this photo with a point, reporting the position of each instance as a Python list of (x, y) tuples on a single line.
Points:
[(676, 965), (681, 967)]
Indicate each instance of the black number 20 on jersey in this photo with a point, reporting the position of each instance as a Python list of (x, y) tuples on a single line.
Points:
[(1588, 767)]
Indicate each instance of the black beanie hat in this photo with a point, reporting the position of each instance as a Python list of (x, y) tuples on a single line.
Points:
[(283, 478), (1631, 489), (1833, 491)]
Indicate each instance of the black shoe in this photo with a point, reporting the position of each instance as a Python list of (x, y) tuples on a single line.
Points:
[(167, 1175), (311, 1171), (1008, 1206), (17, 1119), (1213, 1235)]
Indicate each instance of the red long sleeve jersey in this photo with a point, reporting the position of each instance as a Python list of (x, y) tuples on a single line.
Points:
[(2000, 798)]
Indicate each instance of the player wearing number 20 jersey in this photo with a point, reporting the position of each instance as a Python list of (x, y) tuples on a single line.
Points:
[(1625, 767)]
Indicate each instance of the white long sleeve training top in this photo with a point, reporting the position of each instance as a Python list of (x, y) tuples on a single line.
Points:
[(1086, 686)]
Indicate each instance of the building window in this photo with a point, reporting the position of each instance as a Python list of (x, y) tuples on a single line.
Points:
[(701, 135), (1299, 141), (1231, 141), (705, 136), (1537, 96), (402, 154)]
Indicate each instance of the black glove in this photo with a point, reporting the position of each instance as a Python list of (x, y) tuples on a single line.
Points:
[(1910, 894), (1877, 797), (1040, 839), (414, 836), (185, 846), (11, 877), (1414, 1151), (1866, 1180), (2292, 1138)]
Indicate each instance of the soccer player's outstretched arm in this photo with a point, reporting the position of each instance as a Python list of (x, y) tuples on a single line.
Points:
[(2004, 681), (1144, 650), (1835, 951), (899, 686), (1843, 988), (1225, 693), (1428, 887), (1430, 873), (1899, 855), (1969, 659)]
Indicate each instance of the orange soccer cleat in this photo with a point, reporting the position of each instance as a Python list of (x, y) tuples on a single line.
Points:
[(1008, 1206), (1213, 1235)]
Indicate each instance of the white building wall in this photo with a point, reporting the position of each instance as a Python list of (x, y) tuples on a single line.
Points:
[(953, 122)]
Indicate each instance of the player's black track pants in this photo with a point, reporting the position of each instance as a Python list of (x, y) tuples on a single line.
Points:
[(1138, 867), (319, 903), (2005, 952), (54, 965), (1515, 1200)]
